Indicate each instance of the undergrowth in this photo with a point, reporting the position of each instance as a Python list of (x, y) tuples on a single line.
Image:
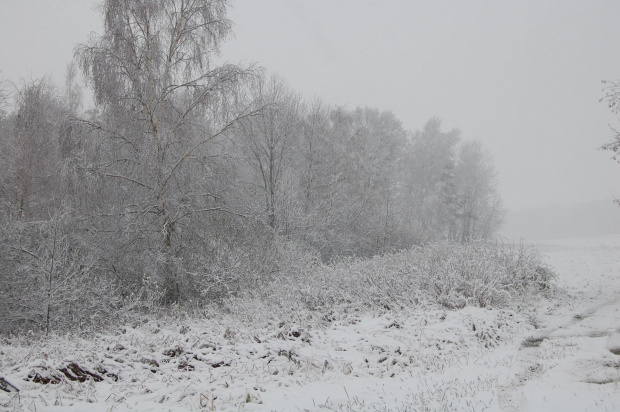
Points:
[(448, 275), (301, 286)]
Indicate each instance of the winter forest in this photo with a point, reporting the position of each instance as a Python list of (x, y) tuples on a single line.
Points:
[(179, 232), (191, 180)]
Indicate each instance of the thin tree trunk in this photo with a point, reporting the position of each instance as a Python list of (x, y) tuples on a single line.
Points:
[(49, 285)]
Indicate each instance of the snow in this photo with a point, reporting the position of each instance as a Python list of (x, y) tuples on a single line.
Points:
[(551, 353)]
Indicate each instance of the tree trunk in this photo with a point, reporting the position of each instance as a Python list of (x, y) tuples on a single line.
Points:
[(165, 266)]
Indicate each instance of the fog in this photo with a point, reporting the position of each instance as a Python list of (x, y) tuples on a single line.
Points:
[(323, 194), (522, 77)]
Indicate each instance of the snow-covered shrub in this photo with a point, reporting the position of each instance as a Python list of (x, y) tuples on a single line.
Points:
[(525, 265), (451, 275), (480, 273), (49, 279), (229, 269)]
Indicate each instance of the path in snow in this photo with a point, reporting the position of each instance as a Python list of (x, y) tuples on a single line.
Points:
[(571, 364)]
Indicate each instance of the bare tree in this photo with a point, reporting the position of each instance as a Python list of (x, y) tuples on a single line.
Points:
[(5, 156), (5, 96), (72, 91), (363, 158), (162, 101), (612, 98), (269, 140), (319, 161), (429, 169), (33, 148), (479, 208), (47, 275)]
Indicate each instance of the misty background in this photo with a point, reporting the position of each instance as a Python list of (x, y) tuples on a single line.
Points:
[(266, 173), (524, 78)]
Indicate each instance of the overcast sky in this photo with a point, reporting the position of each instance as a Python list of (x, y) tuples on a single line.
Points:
[(524, 77)]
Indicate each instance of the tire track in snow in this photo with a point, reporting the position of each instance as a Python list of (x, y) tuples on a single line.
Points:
[(549, 333), (510, 396)]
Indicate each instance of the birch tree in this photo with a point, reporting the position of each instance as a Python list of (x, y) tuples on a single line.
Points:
[(163, 100)]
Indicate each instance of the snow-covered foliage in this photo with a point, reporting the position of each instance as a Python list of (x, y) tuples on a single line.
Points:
[(384, 317), (182, 181), (447, 275), (53, 287), (554, 351)]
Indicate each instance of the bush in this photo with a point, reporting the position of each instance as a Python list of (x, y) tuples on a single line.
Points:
[(49, 280), (450, 275), (47, 271)]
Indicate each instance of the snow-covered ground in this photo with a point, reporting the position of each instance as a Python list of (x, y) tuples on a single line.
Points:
[(550, 354)]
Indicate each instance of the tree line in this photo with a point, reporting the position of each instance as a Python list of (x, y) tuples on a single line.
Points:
[(187, 177)]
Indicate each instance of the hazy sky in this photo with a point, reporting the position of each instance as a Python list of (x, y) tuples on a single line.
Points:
[(524, 77)]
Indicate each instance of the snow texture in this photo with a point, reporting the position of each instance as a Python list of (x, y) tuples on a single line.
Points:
[(555, 353)]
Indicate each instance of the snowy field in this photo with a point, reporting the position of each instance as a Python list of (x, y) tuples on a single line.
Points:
[(550, 354)]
